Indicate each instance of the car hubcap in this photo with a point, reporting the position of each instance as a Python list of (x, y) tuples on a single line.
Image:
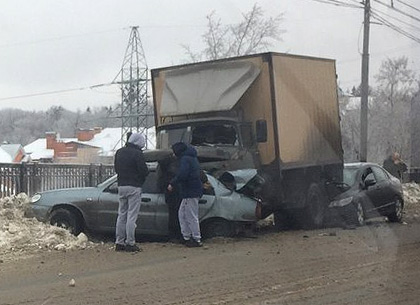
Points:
[(398, 209)]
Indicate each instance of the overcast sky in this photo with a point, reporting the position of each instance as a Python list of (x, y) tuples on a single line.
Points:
[(53, 45)]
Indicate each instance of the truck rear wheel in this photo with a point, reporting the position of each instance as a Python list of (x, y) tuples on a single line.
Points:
[(315, 207)]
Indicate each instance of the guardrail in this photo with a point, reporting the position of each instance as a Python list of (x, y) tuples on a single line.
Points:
[(30, 178)]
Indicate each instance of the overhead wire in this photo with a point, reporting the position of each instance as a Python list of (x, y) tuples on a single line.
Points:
[(64, 37), (395, 18), (409, 5), (394, 27), (398, 10), (56, 91), (338, 3)]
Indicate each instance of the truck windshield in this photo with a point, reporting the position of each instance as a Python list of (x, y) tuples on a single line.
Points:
[(214, 134), (166, 138), (200, 135)]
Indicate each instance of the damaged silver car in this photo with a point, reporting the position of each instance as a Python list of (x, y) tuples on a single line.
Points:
[(222, 211)]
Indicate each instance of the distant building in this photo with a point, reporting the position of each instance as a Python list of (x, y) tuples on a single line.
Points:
[(4, 156), (95, 145), (15, 151)]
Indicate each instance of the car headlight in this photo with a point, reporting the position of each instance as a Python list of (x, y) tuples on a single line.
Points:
[(341, 202), (35, 198)]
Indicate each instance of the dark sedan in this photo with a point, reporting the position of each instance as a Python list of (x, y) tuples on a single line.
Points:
[(222, 212), (369, 191)]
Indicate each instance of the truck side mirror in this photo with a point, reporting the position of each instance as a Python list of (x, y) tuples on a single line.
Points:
[(261, 131)]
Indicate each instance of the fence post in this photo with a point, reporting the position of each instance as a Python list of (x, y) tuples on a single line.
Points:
[(21, 187), (91, 174)]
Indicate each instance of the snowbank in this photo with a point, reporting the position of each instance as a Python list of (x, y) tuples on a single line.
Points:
[(411, 195), (18, 233)]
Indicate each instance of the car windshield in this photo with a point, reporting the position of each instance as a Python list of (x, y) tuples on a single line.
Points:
[(349, 175)]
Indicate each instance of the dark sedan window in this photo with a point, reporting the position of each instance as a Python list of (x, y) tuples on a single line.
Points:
[(380, 175), (349, 176)]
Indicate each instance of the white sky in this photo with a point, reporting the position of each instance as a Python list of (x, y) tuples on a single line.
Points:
[(49, 45)]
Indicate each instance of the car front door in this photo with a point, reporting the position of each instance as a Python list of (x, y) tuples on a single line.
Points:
[(370, 193), (385, 195), (153, 215)]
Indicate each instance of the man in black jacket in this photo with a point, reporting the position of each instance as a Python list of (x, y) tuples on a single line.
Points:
[(131, 170)]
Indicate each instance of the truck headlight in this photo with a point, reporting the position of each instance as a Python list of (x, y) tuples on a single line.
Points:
[(35, 198), (341, 202)]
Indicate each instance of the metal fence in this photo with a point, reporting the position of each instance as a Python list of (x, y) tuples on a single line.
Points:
[(30, 178)]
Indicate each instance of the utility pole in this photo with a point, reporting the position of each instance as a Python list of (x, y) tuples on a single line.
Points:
[(365, 84), (134, 109)]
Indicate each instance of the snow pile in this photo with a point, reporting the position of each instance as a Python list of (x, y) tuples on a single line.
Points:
[(18, 233), (411, 195)]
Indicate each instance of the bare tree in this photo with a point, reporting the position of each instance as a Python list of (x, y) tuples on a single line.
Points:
[(255, 33), (389, 116)]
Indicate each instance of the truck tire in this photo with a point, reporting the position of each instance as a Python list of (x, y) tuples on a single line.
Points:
[(315, 207), (283, 220)]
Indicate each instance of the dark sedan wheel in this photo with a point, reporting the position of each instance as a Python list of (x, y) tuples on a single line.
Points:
[(218, 227), (354, 214), (66, 219), (397, 214)]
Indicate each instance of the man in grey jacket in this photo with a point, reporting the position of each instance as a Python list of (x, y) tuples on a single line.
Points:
[(131, 170)]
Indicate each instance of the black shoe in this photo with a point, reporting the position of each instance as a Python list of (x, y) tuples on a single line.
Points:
[(119, 247), (192, 243), (132, 248)]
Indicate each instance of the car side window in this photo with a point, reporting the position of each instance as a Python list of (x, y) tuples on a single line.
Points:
[(368, 175), (380, 175), (150, 185)]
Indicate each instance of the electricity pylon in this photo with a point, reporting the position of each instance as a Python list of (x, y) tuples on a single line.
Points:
[(134, 109)]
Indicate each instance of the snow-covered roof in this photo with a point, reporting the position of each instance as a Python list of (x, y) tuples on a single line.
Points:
[(38, 150), (108, 141), (4, 156), (12, 149)]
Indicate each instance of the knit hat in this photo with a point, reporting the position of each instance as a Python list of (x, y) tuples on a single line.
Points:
[(137, 139)]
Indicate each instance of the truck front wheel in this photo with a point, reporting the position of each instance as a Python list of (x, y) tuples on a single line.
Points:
[(315, 206)]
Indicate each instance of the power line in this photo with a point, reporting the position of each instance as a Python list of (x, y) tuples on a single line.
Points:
[(395, 18), (58, 38), (409, 5), (395, 28), (338, 3), (398, 10), (54, 92)]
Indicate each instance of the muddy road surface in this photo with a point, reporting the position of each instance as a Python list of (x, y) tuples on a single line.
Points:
[(375, 264)]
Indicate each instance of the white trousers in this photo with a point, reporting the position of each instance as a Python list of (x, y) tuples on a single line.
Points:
[(188, 219)]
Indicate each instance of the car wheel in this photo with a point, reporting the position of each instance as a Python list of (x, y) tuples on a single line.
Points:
[(355, 214), (66, 219), (315, 207), (218, 227), (397, 214)]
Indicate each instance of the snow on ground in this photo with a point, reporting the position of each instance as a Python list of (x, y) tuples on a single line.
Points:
[(411, 199), (21, 234)]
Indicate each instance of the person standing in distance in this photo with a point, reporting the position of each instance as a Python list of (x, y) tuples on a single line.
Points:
[(132, 171), (190, 187)]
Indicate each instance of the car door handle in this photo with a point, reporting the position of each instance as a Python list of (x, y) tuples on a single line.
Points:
[(202, 201), (146, 199)]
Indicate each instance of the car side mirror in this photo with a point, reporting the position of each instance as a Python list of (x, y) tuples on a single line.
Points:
[(261, 131)]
